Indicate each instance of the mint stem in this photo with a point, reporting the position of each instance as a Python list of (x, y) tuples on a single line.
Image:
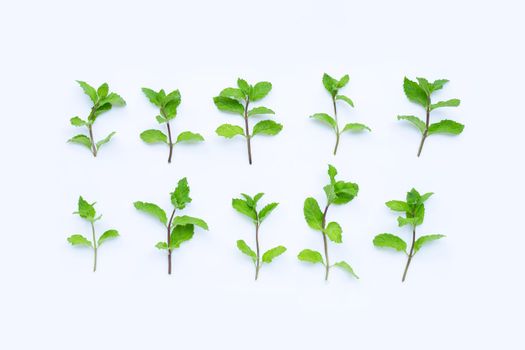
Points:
[(337, 134), (327, 271), (247, 130), (170, 142), (425, 133), (94, 247), (411, 254), (169, 241), (93, 144), (258, 262)]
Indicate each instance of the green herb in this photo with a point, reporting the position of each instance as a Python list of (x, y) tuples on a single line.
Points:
[(167, 104), (179, 229), (332, 86), (420, 93), (237, 101), (87, 211), (414, 209), (103, 101), (338, 193), (248, 206)]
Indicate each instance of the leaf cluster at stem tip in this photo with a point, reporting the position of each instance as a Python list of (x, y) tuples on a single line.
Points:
[(420, 92), (103, 101), (167, 104), (333, 85), (338, 193)]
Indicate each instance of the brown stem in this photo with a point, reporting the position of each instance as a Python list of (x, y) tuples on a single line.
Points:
[(411, 254), (337, 134), (258, 262), (327, 260), (247, 131), (425, 133), (170, 142), (169, 241)]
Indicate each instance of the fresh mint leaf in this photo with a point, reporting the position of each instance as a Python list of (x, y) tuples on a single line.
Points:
[(152, 209), (180, 197), (153, 136), (259, 111), (345, 266), (330, 84), (325, 118), (185, 220), (152, 96), (242, 207), (232, 93), (105, 140), (397, 205), (109, 234), (79, 240), (345, 99), (418, 123), (266, 211), (229, 130), (271, 254), (388, 240), (243, 247), (86, 210), (227, 104), (446, 127), (260, 90), (310, 256), (76, 121), (244, 87), (180, 234), (415, 93), (188, 136), (81, 140), (449, 103), (88, 90), (313, 214), (421, 241), (162, 245), (267, 127), (356, 127), (334, 231)]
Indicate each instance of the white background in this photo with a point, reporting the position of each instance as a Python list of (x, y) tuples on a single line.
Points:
[(465, 291)]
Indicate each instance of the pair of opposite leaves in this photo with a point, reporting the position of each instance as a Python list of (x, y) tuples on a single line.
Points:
[(181, 228), (237, 101)]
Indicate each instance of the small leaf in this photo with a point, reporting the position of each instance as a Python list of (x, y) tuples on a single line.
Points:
[(259, 111), (170, 109), (330, 84), (310, 256), (426, 196), (153, 210), (242, 207), (325, 118), (243, 247), (81, 140), (185, 220), (180, 234), (313, 214), (332, 172), (343, 81), (398, 206), (161, 245), (109, 234), (346, 99), (105, 140), (421, 241), (355, 127), (113, 99), (154, 136), (232, 93), (401, 221), (267, 127), (334, 232), (152, 96), (227, 104), (438, 84), (161, 119), (345, 192), (415, 93), (79, 240), (345, 266), (272, 254), (229, 130), (188, 136), (446, 127), (88, 90), (266, 211), (449, 103), (244, 87), (85, 210), (260, 90), (418, 123), (257, 197), (387, 240), (102, 91), (181, 195), (76, 121)]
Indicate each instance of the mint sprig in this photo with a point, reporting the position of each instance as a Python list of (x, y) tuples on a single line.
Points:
[(167, 104), (414, 210), (237, 101), (420, 93), (338, 193), (87, 212), (332, 86), (179, 229), (103, 101), (248, 207)]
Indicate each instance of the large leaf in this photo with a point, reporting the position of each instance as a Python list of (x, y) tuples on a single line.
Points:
[(446, 127), (310, 256), (418, 123), (179, 234), (267, 210), (345, 99), (152, 209), (267, 127), (185, 220), (88, 90), (232, 93), (79, 240), (415, 93), (229, 130), (334, 231), (188, 136), (387, 240), (345, 192), (421, 241), (356, 127), (243, 247), (227, 104), (313, 214), (260, 90), (330, 84), (271, 254), (81, 140), (449, 103), (259, 111), (152, 96), (242, 207), (398, 205), (154, 136), (325, 118), (109, 234)]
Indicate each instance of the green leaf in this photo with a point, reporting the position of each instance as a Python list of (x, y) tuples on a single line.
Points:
[(81, 140), (85, 210), (425, 85), (181, 195), (161, 119), (334, 232), (161, 245), (413, 197), (242, 207), (313, 214), (346, 99), (152, 96), (415, 93), (438, 84), (232, 93), (153, 210), (387, 240), (271, 254), (355, 127), (173, 97), (188, 136), (330, 84), (244, 87), (257, 197), (426, 196), (227, 104), (105, 140), (109, 234), (401, 221), (449, 103), (113, 99), (88, 90), (325, 118), (79, 240), (345, 192), (343, 81), (418, 123), (229, 130), (446, 127), (103, 107), (310, 256), (249, 200), (421, 241), (332, 172), (185, 220), (267, 127), (154, 136), (345, 266), (259, 111), (243, 247), (76, 121), (260, 90), (266, 211), (102, 90), (170, 109), (180, 234), (398, 206)]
